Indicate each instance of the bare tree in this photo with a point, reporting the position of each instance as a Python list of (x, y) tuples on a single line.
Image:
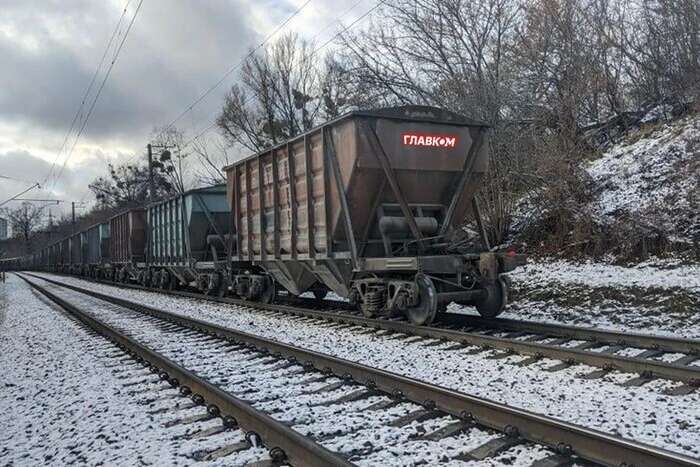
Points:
[(24, 222), (448, 53), (278, 97), (213, 155), (662, 50), (172, 163)]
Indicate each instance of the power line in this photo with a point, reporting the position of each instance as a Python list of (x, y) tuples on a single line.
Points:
[(87, 92), (19, 194), (5, 177), (235, 67), (346, 28), (314, 52), (99, 91)]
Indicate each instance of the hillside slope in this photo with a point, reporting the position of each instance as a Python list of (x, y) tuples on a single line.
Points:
[(649, 177), (653, 176)]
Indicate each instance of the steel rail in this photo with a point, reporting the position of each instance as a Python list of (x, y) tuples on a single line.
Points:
[(563, 437), (296, 448), (603, 336), (607, 361)]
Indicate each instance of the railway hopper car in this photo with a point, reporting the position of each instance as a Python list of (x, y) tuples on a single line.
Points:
[(95, 250), (187, 239), (127, 245), (369, 206)]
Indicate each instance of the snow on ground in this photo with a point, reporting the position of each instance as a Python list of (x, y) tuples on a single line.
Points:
[(643, 413), (345, 428), (657, 174), (61, 404), (653, 297), (652, 274)]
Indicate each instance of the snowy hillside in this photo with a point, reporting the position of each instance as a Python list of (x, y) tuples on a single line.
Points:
[(654, 175), (651, 177)]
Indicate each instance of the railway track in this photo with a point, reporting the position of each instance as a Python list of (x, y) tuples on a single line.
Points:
[(335, 402), (647, 356)]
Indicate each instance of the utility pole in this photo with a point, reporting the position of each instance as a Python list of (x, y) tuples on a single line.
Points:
[(26, 228), (150, 172), (50, 224)]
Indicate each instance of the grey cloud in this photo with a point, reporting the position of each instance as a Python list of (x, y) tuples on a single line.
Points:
[(22, 165), (173, 51), (176, 49)]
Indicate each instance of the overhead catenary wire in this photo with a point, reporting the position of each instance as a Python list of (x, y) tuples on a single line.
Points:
[(79, 112), (99, 92), (5, 177), (19, 194)]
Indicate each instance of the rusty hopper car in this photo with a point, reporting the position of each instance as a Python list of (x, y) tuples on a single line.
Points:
[(187, 238), (368, 206), (127, 244)]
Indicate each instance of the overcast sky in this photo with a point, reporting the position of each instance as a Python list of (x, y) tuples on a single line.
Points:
[(49, 50)]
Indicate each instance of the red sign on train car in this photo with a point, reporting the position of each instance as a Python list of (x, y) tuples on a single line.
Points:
[(428, 140)]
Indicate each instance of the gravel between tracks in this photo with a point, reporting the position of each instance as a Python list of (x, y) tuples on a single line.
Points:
[(61, 404), (643, 413), (345, 428)]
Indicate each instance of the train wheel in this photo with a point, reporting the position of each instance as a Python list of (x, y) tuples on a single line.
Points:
[(319, 294), (172, 282), (495, 301), (165, 278), (424, 313), (155, 279), (214, 285), (223, 285), (146, 278), (268, 295), (203, 284)]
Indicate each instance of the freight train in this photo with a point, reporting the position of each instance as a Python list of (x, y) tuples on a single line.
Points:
[(369, 206)]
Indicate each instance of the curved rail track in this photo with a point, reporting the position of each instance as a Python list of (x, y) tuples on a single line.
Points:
[(459, 412), (570, 345)]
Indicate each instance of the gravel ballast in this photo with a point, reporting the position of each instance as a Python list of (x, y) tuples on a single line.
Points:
[(67, 398), (643, 413)]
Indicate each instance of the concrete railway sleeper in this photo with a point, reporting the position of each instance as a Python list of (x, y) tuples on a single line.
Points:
[(517, 426)]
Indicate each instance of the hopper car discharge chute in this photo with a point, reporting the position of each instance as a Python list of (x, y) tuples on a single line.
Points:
[(369, 206)]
